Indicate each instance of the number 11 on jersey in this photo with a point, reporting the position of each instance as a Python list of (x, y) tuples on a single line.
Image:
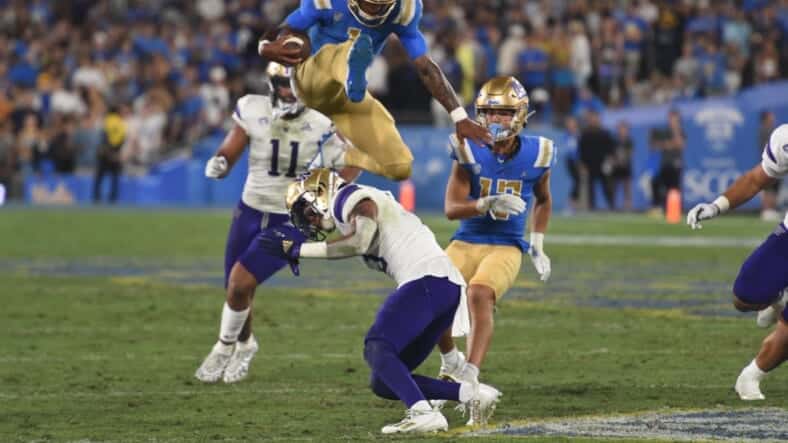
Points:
[(275, 158)]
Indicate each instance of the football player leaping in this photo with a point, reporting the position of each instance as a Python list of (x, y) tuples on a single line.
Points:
[(430, 290), (487, 190), (285, 140), (345, 36), (762, 283)]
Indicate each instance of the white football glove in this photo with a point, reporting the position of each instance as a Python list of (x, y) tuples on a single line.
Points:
[(509, 204), (540, 260), (702, 211), (216, 167)]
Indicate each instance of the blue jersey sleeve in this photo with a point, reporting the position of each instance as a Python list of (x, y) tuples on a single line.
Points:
[(410, 36), (307, 14)]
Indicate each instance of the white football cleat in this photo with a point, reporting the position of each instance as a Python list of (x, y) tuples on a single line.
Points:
[(418, 421), (238, 367), (452, 373), (482, 405), (768, 316), (748, 388), (212, 368)]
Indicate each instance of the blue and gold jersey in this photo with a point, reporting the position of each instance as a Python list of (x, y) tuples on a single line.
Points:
[(517, 175), (330, 21)]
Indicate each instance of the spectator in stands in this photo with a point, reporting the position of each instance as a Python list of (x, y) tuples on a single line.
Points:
[(596, 149), (772, 191), (622, 163), (108, 157), (32, 146), (670, 142)]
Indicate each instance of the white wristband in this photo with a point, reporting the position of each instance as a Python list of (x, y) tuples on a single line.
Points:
[(314, 250), (722, 203), (537, 240), (458, 114), (260, 46)]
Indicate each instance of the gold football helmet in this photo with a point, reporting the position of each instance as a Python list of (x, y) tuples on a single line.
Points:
[(503, 93), (383, 9), (308, 201), (279, 78)]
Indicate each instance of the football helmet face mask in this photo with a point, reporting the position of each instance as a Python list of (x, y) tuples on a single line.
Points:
[(382, 9), (308, 201), (504, 94), (285, 104)]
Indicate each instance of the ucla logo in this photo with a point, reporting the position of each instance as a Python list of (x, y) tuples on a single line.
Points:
[(518, 89), (719, 124)]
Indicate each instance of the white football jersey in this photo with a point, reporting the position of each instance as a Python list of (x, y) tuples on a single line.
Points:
[(404, 248), (282, 149), (775, 155)]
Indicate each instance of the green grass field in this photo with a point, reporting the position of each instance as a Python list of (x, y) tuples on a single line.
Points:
[(107, 313)]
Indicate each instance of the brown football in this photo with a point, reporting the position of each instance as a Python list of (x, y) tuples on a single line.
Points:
[(294, 39)]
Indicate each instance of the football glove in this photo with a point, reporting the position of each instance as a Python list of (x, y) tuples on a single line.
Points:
[(216, 167), (540, 260), (702, 211), (279, 244), (508, 204)]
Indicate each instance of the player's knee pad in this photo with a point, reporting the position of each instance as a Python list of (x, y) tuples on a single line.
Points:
[(399, 171), (378, 353), (380, 388)]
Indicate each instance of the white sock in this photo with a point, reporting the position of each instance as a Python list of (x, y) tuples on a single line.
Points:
[(466, 392), (753, 371), (421, 405), (451, 358), (244, 345), (232, 323)]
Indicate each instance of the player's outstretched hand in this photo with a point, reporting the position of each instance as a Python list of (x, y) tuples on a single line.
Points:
[(279, 244), (467, 128), (216, 167), (508, 204), (541, 263), (702, 211)]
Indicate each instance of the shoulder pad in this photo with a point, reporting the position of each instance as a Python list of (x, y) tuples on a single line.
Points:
[(408, 11), (546, 156)]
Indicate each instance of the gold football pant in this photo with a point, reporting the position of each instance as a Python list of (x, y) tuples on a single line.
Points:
[(377, 145), (494, 266)]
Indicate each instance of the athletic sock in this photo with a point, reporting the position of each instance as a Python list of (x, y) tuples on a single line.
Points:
[(232, 323)]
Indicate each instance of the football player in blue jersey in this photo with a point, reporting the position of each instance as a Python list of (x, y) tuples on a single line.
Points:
[(345, 35), (488, 189)]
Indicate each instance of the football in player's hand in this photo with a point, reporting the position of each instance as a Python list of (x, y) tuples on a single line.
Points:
[(292, 39)]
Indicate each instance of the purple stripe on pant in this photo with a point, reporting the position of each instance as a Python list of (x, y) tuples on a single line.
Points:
[(406, 329), (242, 242), (765, 272)]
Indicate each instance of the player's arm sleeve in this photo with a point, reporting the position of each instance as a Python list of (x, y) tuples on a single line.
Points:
[(242, 112), (774, 160), (411, 37), (548, 154), (307, 14)]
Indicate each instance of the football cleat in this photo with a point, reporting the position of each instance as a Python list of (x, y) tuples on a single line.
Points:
[(358, 60), (418, 421), (482, 405), (768, 316), (238, 367), (748, 388), (212, 368), (451, 372)]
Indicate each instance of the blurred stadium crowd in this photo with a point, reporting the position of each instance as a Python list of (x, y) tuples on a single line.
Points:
[(120, 84)]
